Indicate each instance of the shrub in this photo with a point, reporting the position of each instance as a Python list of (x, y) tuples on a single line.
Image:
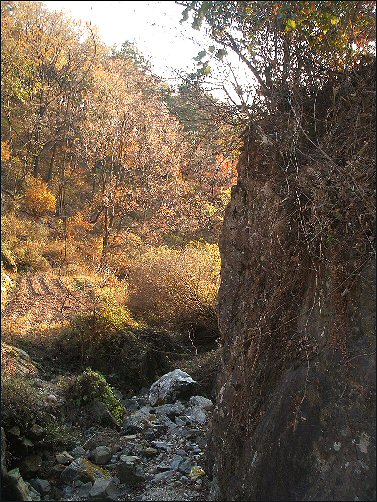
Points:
[(21, 403), (26, 241), (91, 385), (110, 338), (177, 289), (39, 200)]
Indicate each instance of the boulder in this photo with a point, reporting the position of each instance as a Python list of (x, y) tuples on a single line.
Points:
[(18, 489), (170, 387), (83, 470), (101, 455)]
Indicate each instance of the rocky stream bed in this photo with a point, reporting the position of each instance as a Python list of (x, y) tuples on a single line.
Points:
[(158, 453)]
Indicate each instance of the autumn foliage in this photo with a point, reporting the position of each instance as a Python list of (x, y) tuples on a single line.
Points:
[(39, 199)]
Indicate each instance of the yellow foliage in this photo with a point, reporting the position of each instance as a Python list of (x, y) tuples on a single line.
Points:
[(5, 151), (176, 288), (39, 199)]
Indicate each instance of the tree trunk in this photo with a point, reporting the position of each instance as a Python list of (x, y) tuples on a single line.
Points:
[(51, 167)]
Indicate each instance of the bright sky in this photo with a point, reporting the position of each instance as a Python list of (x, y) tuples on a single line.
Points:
[(153, 26)]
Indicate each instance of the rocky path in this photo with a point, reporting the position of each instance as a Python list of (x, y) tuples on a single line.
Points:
[(158, 453)]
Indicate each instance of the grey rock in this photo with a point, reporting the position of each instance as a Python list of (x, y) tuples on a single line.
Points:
[(84, 489), (103, 489), (129, 470), (185, 467), (84, 470), (162, 445), (170, 387), (101, 413), (162, 476), (27, 443), (78, 451), (163, 467), (180, 421), (37, 431), (170, 410), (201, 402), (20, 489), (196, 415), (117, 393), (177, 460), (41, 485), (150, 452), (137, 422), (64, 458), (131, 404), (101, 455)]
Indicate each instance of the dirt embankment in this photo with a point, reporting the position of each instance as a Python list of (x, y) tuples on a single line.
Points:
[(296, 395)]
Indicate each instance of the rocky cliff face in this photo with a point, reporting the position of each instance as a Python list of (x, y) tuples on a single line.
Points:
[(295, 414)]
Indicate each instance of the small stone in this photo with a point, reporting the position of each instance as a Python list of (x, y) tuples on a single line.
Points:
[(185, 467), (170, 410), (64, 458), (77, 452), (161, 445), (180, 421), (163, 467), (201, 402), (177, 460), (103, 488), (196, 415), (41, 485), (84, 489), (162, 476), (196, 471), (150, 452), (101, 455)]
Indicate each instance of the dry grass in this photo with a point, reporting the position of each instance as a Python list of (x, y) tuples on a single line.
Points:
[(176, 289)]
